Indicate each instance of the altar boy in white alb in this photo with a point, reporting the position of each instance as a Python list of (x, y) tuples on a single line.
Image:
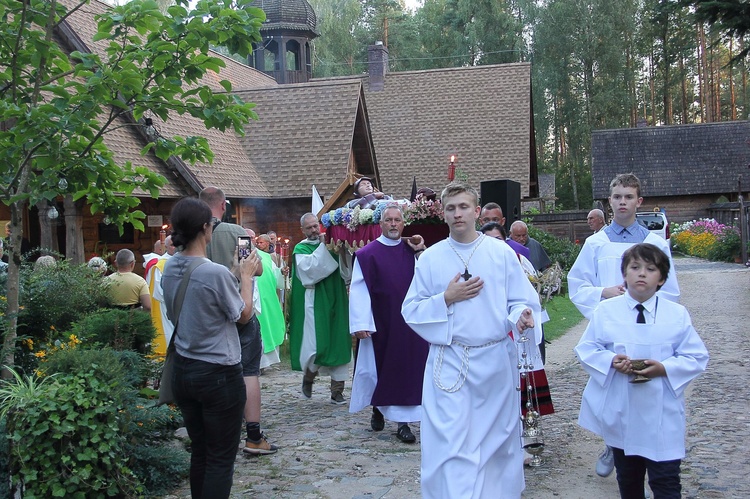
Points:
[(643, 423), (468, 292)]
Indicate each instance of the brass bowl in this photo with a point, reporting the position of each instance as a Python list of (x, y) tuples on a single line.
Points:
[(638, 364)]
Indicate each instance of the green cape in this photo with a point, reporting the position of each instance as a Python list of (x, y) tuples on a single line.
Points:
[(271, 318)]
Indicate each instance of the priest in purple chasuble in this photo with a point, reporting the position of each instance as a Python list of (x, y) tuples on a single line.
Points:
[(468, 291), (391, 359), (319, 313)]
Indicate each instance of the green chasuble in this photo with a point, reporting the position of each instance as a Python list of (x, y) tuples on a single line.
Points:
[(271, 318), (334, 344)]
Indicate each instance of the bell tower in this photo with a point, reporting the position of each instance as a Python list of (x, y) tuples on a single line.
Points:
[(286, 51)]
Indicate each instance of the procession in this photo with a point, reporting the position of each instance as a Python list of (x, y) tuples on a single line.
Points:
[(438, 249)]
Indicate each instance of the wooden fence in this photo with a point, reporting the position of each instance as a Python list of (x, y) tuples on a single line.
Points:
[(563, 224)]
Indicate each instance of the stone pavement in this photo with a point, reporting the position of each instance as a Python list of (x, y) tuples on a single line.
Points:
[(328, 453)]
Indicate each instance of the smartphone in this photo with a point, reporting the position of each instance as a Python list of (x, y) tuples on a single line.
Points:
[(243, 247)]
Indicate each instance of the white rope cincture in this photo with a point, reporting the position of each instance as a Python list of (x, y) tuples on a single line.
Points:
[(463, 370)]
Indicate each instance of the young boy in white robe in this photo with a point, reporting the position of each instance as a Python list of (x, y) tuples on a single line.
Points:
[(467, 292), (595, 275), (644, 422)]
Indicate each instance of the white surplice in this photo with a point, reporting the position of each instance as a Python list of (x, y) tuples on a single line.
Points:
[(598, 267), (366, 374), (644, 419), (311, 269), (470, 427)]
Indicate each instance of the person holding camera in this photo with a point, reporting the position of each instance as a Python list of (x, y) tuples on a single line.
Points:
[(224, 249), (207, 380)]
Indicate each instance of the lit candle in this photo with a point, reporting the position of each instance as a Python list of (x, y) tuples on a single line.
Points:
[(163, 234), (285, 249), (452, 169)]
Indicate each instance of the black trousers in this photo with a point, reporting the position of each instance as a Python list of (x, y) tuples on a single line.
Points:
[(663, 476)]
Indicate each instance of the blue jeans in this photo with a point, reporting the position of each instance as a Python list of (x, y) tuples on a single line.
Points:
[(663, 476), (211, 398)]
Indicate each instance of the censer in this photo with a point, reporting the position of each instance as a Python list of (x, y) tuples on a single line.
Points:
[(532, 437)]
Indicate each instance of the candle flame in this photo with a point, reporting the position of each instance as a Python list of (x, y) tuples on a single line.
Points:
[(453, 158)]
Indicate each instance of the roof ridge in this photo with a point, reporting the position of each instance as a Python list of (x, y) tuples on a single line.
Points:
[(312, 84), (671, 127)]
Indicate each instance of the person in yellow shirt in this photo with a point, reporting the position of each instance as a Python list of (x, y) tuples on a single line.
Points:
[(127, 289)]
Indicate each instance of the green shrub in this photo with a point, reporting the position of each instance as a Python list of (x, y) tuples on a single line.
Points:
[(728, 245), (148, 428), (54, 297), (559, 250), (160, 469), (4, 462), (119, 329), (67, 441), (122, 370)]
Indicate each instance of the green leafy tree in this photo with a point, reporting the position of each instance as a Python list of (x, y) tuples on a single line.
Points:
[(56, 106), (338, 51)]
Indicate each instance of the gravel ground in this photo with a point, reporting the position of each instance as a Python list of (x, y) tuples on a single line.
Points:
[(328, 453)]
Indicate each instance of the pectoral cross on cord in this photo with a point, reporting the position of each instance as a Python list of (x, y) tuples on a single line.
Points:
[(466, 274)]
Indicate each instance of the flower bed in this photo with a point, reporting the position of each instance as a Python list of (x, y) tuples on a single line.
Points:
[(707, 238)]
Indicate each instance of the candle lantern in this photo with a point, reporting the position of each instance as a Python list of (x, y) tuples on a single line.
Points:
[(452, 169)]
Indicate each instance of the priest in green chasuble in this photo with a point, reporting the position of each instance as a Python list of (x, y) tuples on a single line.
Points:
[(319, 313)]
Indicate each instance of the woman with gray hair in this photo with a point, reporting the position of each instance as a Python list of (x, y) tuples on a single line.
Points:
[(98, 263)]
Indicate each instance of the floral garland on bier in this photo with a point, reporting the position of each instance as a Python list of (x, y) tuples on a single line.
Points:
[(361, 223), (421, 211)]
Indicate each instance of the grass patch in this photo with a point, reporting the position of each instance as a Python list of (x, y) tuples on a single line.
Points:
[(563, 315)]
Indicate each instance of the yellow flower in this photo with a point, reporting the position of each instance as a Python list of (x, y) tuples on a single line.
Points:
[(53, 328), (40, 355)]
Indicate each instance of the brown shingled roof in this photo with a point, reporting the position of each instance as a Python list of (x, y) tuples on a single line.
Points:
[(307, 133), (481, 114), (231, 169)]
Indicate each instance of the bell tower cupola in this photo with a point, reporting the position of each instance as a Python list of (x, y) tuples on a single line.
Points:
[(286, 50)]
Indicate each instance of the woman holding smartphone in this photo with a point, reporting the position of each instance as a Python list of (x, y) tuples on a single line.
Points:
[(208, 384)]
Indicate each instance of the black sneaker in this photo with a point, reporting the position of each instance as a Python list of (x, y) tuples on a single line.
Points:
[(405, 435), (377, 422), (338, 399)]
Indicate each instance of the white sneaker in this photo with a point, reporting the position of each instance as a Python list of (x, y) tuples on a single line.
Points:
[(606, 463)]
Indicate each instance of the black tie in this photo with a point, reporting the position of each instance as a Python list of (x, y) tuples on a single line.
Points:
[(641, 318)]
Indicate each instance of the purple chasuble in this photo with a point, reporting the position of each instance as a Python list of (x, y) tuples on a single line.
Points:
[(519, 248), (400, 354)]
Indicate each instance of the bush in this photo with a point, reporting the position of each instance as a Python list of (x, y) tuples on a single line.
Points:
[(84, 424), (4, 462), (66, 441), (54, 297), (161, 469), (124, 371), (558, 249), (119, 329)]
